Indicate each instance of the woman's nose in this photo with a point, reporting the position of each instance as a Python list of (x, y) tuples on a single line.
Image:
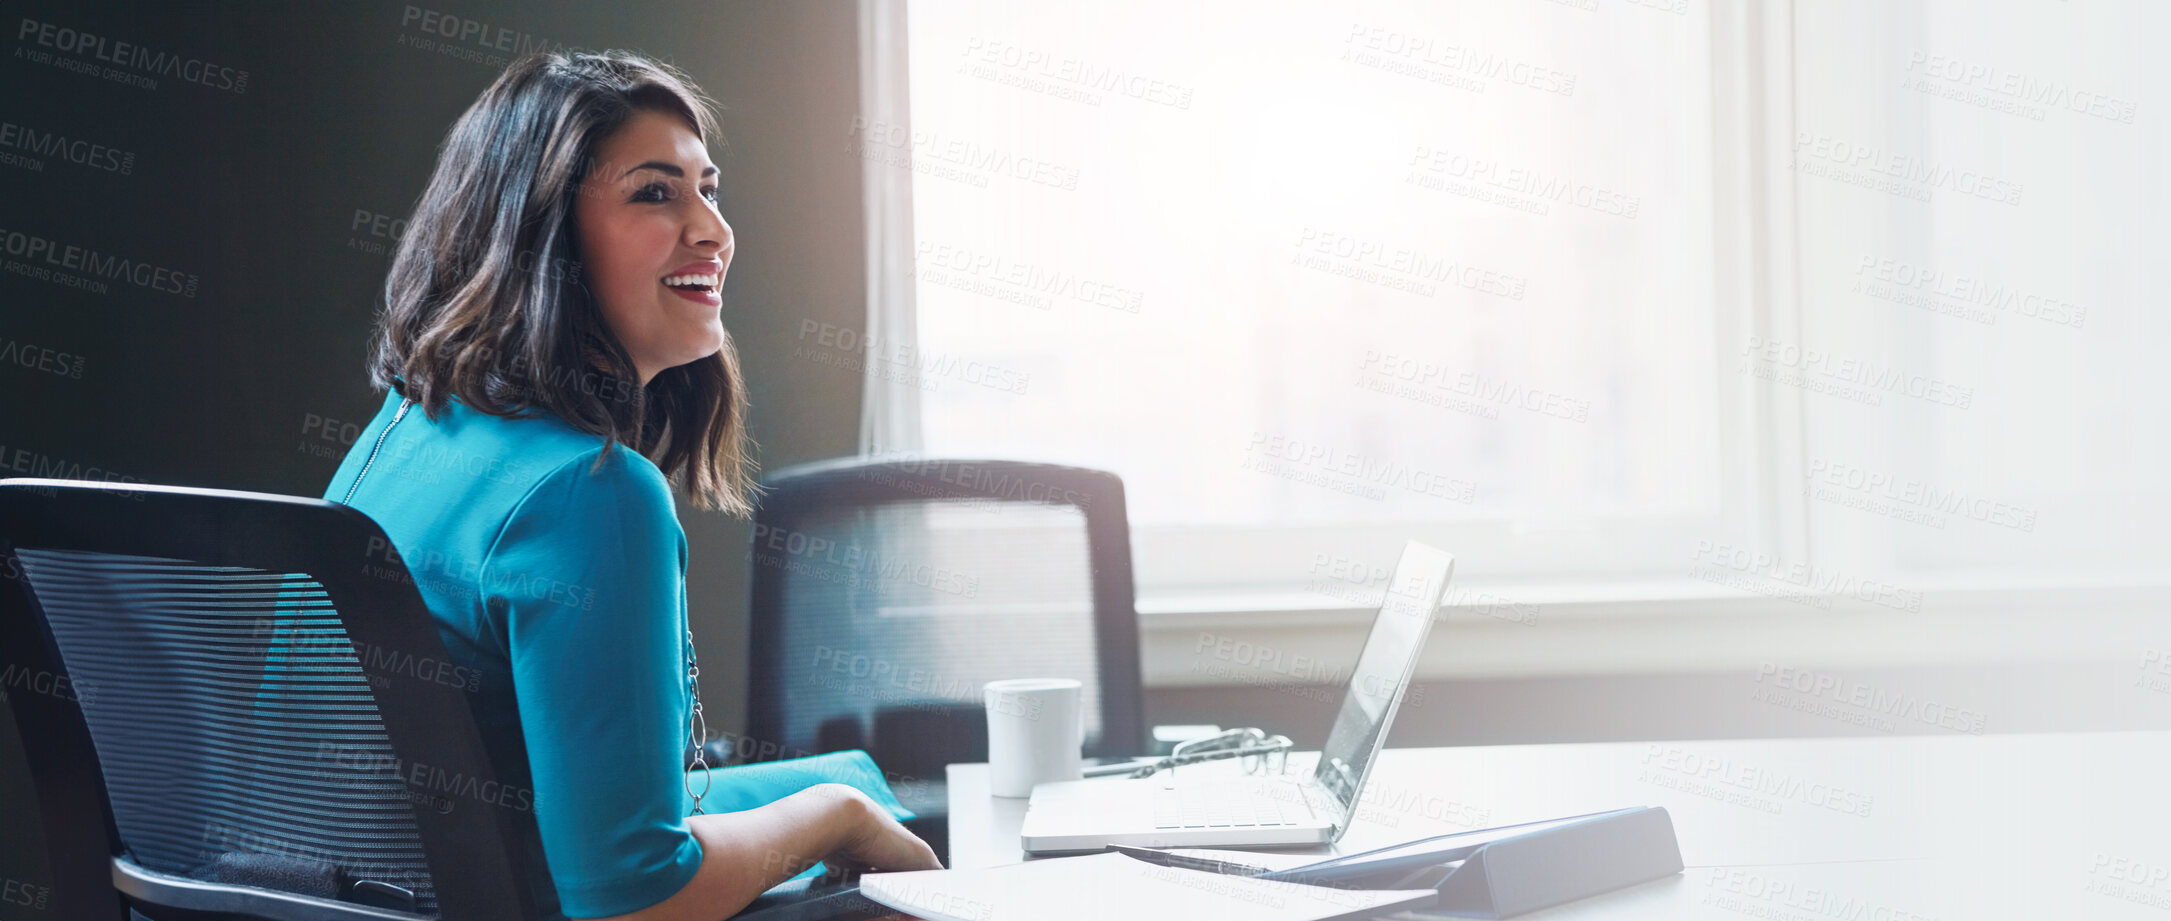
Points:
[(708, 229)]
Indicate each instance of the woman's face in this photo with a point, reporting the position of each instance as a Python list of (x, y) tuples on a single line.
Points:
[(653, 248)]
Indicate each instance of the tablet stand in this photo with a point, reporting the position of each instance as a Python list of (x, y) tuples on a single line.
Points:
[(1514, 876)]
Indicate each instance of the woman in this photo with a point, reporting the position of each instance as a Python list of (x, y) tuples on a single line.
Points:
[(553, 314)]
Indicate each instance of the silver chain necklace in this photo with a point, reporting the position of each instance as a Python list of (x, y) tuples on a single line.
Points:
[(697, 727)]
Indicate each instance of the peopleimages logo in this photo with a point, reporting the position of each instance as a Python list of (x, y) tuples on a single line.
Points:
[(1751, 894), (1803, 688), (141, 59), (1888, 171), (1874, 379), (33, 249), (1360, 474), (1452, 64), (17, 678), (2006, 90), (1819, 583), (30, 463), (41, 358), (428, 784), (822, 558), (1400, 268), (1758, 788), (74, 150), (473, 31), (1031, 284), (1907, 498), (902, 363), (959, 159), (1524, 188), (1487, 391), (1066, 77), (1960, 295), (28, 895)]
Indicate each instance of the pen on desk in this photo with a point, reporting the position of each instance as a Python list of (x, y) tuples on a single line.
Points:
[(1183, 862), (1111, 770), (1150, 766)]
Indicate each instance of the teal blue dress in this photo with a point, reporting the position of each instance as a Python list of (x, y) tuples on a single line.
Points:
[(560, 583)]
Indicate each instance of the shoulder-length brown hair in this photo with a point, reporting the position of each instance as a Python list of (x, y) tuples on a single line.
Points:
[(486, 299)]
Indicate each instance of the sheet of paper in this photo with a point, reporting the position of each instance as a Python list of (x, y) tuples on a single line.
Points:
[(1271, 860), (1100, 886)]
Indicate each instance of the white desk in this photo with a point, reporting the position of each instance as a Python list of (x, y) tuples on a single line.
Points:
[(1953, 828)]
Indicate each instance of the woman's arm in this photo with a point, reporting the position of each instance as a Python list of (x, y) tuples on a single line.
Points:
[(745, 853)]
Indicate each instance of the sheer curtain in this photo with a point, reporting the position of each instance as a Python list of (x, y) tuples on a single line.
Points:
[(1838, 299)]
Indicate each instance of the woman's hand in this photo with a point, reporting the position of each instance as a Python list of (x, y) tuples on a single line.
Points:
[(873, 841), (745, 853)]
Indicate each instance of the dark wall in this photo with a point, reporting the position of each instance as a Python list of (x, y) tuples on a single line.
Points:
[(269, 204), (243, 202)]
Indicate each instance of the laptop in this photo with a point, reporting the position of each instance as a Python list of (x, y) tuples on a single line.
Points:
[(1186, 809)]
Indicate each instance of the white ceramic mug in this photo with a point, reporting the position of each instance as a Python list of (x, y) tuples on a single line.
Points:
[(1035, 730)]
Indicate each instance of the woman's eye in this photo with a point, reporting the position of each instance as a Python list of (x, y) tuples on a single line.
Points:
[(709, 193), (654, 191)]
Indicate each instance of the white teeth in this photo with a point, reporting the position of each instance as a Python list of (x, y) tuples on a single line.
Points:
[(706, 281)]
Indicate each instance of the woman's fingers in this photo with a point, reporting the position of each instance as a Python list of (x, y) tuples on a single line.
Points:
[(894, 848), (879, 843)]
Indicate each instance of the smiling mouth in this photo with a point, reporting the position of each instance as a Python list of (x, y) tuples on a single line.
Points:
[(704, 284)]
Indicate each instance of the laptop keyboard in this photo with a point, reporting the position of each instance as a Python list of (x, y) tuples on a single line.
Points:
[(1221, 806)]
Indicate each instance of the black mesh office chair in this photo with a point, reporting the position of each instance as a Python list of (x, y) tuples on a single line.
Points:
[(885, 593), (236, 704)]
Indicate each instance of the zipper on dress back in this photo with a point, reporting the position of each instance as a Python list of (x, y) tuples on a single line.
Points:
[(379, 446)]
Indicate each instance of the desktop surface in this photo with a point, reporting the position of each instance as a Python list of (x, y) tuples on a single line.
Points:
[(1907, 828)]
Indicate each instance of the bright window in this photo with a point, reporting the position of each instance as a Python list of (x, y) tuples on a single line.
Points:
[(1542, 282)]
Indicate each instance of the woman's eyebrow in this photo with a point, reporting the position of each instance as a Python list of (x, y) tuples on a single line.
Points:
[(671, 168)]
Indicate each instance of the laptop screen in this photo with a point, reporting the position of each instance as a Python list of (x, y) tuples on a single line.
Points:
[(1383, 671)]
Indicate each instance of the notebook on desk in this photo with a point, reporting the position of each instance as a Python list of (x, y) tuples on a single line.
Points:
[(1101, 886), (1187, 810)]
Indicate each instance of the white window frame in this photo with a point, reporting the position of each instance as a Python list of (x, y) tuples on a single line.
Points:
[(1599, 586)]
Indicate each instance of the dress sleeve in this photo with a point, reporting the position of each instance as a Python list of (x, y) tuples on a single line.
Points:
[(588, 574)]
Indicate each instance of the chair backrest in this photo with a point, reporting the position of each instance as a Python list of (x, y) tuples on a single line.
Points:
[(886, 593), (236, 702)]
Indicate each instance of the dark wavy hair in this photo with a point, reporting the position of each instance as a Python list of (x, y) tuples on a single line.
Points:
[(486, 298)]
